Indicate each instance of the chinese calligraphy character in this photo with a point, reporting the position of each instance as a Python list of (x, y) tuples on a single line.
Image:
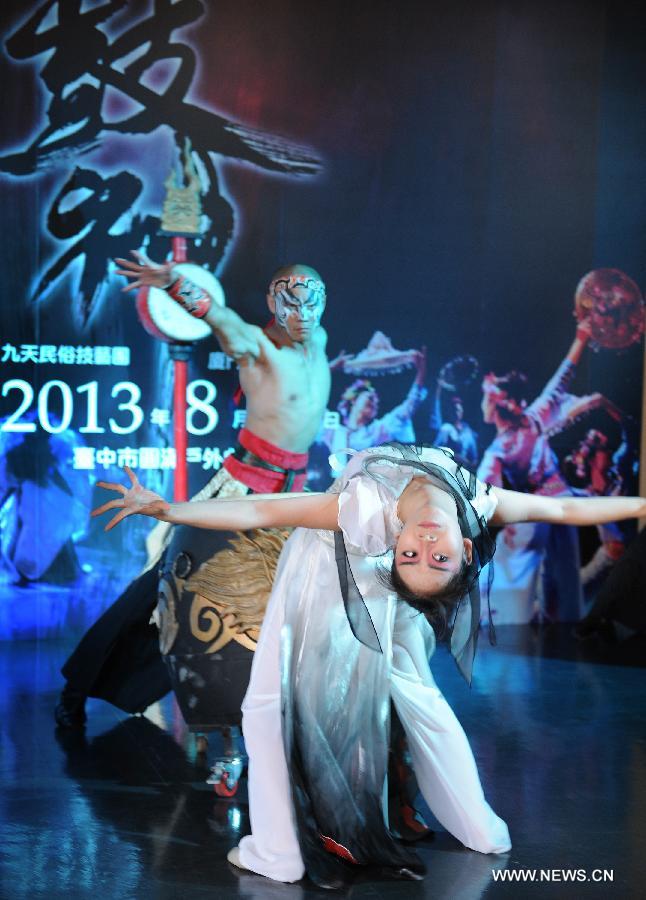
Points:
[(219, 361), (29, 353), (128, 456), (103, 356), (160, 417), (212, 458), (47, 354), (85, 356), (149, 458), (83, 458), (106, 457), (9, 353), (168, 458), (89, 55), (121, 356), (66, 355)]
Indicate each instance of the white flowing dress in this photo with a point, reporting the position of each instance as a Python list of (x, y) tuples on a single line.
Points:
[(307, 648)]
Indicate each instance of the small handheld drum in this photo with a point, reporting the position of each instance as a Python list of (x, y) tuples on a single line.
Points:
[(457, 373), (614, 306), (164, 318)]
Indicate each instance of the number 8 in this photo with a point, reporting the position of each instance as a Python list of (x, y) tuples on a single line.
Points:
[(203, 405)]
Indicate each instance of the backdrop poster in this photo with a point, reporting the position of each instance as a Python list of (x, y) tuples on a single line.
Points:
[(453, 173)]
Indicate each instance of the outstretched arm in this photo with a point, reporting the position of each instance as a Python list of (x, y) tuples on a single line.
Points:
[(581, 338), (548, 408), (236, 337), (436, 411), (517, 507), (405, 410), (420, 367), (255, 511)]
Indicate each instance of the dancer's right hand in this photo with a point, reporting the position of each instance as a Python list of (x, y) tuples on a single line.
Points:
[(340, 361), (135, 499), (144, 272)]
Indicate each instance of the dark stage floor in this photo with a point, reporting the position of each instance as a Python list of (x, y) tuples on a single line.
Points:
[(558, 729)]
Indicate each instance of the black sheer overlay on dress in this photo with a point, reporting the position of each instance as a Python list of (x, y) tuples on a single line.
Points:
[(359, 619)]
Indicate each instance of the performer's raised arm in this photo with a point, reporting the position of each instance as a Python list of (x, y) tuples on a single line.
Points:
[(307, 510), (550, 408), (236, 337), (417, 392)]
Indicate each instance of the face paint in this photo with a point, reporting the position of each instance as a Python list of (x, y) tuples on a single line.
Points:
[(305, 306)]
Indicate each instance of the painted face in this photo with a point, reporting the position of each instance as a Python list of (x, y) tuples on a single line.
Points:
[(300, 301)]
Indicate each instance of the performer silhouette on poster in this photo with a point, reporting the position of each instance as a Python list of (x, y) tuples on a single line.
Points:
[(594, 470), (361, 426), (38, 481), (537, 565), (453, 432)]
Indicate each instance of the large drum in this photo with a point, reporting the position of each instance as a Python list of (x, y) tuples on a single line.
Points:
[(209, 670), (213, 592)]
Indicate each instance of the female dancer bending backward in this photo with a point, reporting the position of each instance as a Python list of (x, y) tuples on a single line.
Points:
[(376, 567)]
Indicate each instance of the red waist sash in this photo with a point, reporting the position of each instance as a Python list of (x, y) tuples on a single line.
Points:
[(292, 467)]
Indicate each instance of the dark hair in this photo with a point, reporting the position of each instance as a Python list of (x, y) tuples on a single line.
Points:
[(514, 385), (351, 395), (435, 606)]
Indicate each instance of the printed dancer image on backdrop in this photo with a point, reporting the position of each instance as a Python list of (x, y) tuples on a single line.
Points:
[(361, 426), (453, 432), (594, 468), (38, 481), (537, 564)]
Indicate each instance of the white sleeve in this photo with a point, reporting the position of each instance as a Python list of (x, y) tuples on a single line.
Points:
[(368, 515)]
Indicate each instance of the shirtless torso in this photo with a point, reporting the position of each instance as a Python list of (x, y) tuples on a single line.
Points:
[(287, 391)]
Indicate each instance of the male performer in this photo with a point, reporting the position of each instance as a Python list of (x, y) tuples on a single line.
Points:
[(285, 375)]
